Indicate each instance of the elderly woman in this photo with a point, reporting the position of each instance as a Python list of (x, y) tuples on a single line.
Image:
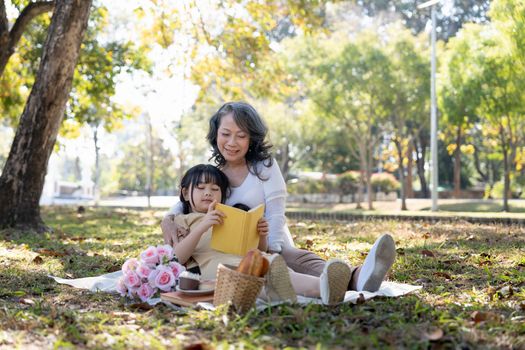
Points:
[(240, 149)]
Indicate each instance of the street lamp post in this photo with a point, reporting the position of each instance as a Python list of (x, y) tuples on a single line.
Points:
[(433, 114)]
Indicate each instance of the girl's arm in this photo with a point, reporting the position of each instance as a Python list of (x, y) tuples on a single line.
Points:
[(185, 248), (263, 229)]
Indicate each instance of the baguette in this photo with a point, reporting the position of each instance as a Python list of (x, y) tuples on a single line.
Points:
[(254, 264)]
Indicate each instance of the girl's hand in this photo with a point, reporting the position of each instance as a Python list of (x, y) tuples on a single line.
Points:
[(213, 216), (262, 227)]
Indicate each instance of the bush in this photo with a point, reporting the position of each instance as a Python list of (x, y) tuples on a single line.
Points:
[(307, 186), (497, 190), (384, 182), (348, 182)]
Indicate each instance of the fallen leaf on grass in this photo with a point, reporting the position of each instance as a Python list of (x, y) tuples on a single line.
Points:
[(309, 242), (125, 315), (141, 306), (38, 260), (505, 291), (434, 334), (27, 301), (428, 253), (443, 274), (49, 252), (423, 280), (400, 251), (426, 235), (451, 261), (198, 346), (521, 306), (480, 316), (491, 291)]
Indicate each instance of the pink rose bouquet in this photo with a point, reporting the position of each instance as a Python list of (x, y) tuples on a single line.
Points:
[(157, 270)]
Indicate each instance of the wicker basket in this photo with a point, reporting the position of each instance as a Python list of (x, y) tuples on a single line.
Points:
[(239, 288)]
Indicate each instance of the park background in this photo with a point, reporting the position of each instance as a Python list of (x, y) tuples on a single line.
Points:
[(344, 87)]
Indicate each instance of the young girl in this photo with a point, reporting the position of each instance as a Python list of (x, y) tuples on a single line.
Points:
[(201, 188)]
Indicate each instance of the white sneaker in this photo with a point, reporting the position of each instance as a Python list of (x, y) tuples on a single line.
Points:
[(278, 286), (334, 281), (377, 263)]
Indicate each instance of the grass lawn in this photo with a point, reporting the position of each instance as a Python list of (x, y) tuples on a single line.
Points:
[(473, 296), (449, 208)]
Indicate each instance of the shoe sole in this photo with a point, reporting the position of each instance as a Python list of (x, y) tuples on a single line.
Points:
[(384, 258), (338, 274), (279, 286)]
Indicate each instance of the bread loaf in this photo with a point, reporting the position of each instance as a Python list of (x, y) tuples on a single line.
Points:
[(254, 264)]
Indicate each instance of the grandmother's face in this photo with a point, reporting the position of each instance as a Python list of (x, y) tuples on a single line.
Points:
[(232, 141)]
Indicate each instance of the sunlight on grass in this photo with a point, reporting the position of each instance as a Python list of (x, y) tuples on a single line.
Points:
[(473, 277)]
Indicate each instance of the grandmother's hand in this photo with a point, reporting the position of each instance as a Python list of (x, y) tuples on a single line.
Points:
[(171, 232)]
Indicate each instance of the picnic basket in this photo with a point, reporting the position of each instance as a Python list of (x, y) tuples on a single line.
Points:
[(238, 288)]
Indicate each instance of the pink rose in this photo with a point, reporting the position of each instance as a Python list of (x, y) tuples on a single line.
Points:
[(164, 279), (176, 268), (150, 256), (165, 251), (131, 280), (121, 287), (145, 292), (143, 271), (151, 278), (130, 265)]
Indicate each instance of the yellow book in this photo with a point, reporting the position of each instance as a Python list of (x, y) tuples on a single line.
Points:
[(238, 233)]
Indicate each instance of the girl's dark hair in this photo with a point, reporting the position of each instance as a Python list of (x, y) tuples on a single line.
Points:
[(247, 118), (202, 173)]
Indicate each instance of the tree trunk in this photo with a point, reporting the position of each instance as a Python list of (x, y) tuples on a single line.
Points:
[(361, 187), (506, 182), (150, 166), (457, 164), (369, 188), (96, 186), (10, 38), (22, 179), (401, 169), (484, 175), (506, 169), (285, 161), (420, 163), (409, 189)]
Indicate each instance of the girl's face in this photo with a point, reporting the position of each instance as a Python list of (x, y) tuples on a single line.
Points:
[(232, 141), (203, 194)]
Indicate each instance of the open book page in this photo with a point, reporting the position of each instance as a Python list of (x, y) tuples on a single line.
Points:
[(238, 233)]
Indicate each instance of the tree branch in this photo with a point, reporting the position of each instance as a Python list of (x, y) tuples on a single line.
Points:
[(31, 11), (4, 24)]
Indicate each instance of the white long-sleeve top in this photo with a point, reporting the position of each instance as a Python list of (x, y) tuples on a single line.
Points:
[(271, 191)]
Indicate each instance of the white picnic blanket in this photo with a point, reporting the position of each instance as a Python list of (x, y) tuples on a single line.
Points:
[(108, 283)]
